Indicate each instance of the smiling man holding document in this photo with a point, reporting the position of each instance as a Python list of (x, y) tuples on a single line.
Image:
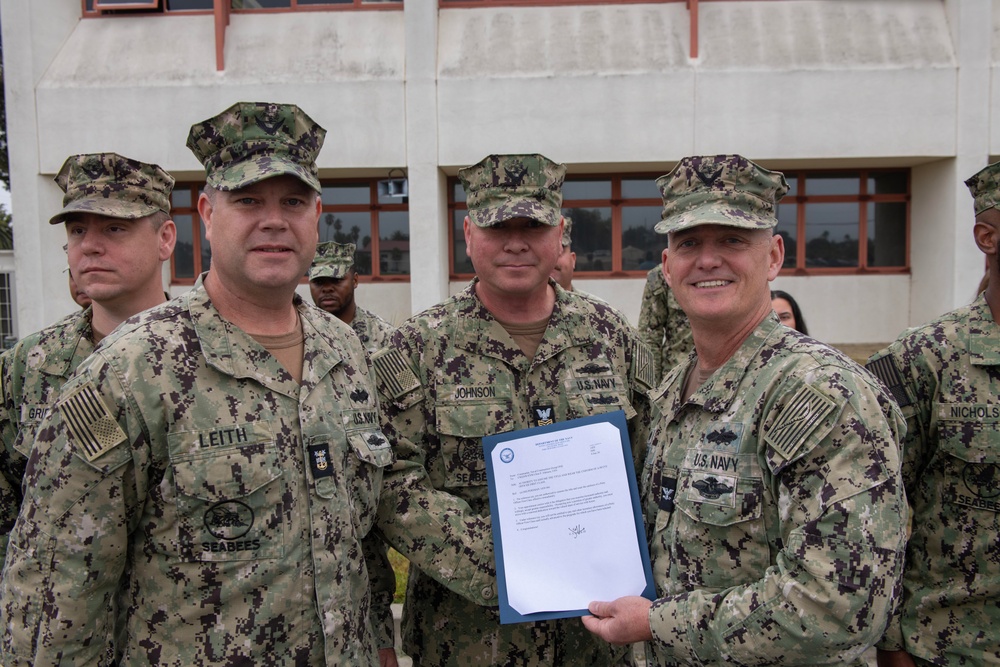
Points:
[(771, 490), (512, 350)]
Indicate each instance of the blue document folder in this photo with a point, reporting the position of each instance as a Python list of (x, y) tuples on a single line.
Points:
[(490, 444)]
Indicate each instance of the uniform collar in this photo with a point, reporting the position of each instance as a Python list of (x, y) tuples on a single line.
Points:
[(719, 391), (233, 352), (982, 335), (76, 345), (476, 330)]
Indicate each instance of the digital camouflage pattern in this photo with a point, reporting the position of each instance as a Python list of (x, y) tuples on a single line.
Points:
[(663, 326), (502, 187), (228, 507), (31, 375), (252, 141), (946, 377), (452, 375), (985, 187), (719, 190), (774, 508), (332, 260), (567, 235), (372, 330), (111, 185)]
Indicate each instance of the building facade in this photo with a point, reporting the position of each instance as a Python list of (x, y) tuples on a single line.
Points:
[(876, 110)]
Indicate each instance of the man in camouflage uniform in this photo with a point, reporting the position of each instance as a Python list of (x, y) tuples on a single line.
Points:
[(771, 491), (510, 351), (663, 326), (332, 281), (216, 464), (117, 217), (944, 376)]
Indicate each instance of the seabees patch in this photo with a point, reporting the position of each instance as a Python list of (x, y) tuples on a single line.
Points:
[(803, 413), (90, 424)]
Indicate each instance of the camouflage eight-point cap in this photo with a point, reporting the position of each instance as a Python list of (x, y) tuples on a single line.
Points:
[(567, 237), (502, 187), (719, 190), (333, 260), (252, 141), (112, 185), (985, 187)]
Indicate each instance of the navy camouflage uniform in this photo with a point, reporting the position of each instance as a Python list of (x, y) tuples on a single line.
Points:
[(452, 375), (946, 377)]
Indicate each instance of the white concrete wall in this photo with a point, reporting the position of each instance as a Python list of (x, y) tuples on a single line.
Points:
[(793, 84)]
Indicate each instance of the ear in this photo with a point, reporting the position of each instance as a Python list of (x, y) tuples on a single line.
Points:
[(986, 236), (168, 237), (205, 210), (467, 228), (666, 268), (663, 263), (776, 256)]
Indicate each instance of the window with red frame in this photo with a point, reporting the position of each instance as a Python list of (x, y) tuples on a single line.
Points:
[(353, 212), (832, 222), (109, 7)]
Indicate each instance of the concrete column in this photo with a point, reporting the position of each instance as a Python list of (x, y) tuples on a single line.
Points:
[(428, 200), (32, 34), (972, 27)]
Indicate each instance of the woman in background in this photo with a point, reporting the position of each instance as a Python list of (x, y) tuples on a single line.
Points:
[(788, 311)]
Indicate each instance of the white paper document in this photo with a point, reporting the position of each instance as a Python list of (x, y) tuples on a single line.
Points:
[(566, 519)]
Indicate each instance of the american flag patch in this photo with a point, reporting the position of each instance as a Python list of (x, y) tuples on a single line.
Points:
[(393, 371), (885, 369), (90, 424), (803, 413), (642, 363)]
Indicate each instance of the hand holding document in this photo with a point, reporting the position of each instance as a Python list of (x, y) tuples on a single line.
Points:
[(566, 523)]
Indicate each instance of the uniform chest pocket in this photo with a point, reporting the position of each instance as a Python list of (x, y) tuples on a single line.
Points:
[(31, 418), (719, 537), (229, 504), (462, 426), (597, 394), (970, 464)]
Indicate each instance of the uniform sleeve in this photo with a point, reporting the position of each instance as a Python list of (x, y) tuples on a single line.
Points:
[(829, 446), (10, 472), (906, 382), (68, 549), (652, 323), (437, 531), (383, 588)]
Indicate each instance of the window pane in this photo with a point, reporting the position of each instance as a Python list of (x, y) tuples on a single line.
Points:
[(787, 228), (591, 238), (260, 4), (887, 182), (831, 235), (181, 5), (586, 190), (394, 243), (350, 227), (793, 185), (181, 198), (833, 184), (336, 195), (462, 262), (457, 191), (640, 188), (641, 246), (184, 248), (325, 2), (206, 250), (887, 234)]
